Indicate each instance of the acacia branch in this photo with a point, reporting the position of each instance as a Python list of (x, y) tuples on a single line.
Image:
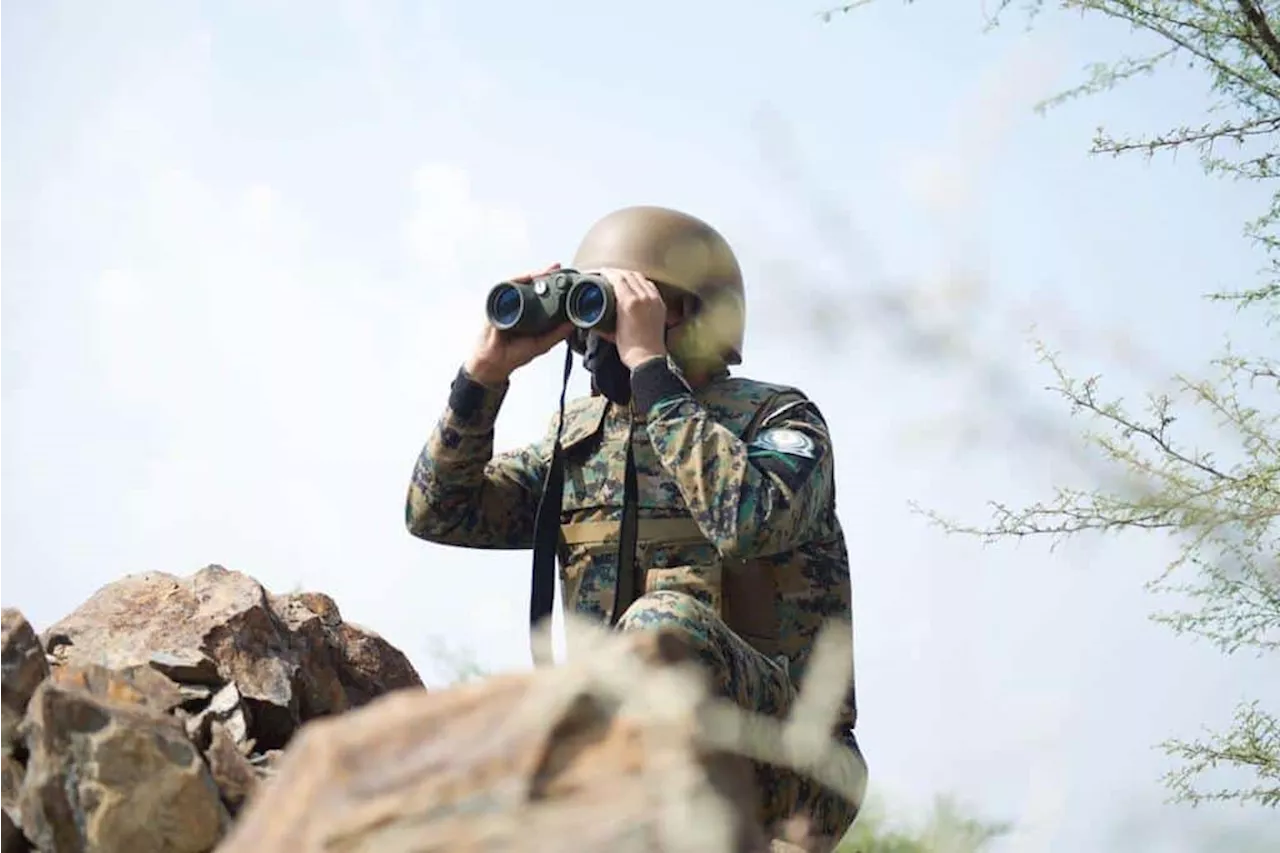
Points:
[(1155, 434), (1270, 49)]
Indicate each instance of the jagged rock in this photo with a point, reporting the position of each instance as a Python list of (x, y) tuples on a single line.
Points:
[(137, 685), (11, 771), (235, 776), (354, 664), (195, 696), (534, 761), (22, 668), (11, 775), (372, 667), (188, 667), (110, 775), (11, 838), (265, 763), (226, 709), (289, 662)]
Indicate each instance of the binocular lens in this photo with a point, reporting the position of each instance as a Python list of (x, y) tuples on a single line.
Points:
[(587, 304), (505, 306)]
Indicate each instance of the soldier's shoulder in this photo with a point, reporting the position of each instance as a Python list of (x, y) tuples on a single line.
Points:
[(737, 402), (750, 391)]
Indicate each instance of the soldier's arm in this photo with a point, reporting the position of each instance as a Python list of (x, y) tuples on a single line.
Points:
[(461, 493), (749, 500)]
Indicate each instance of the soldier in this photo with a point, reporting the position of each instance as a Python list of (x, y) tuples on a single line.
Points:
[(693, 501)]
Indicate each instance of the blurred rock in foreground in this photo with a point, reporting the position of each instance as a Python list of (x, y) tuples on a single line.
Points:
[(527, 762)]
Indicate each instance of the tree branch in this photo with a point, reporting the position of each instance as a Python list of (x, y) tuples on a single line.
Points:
[(1258, 20)]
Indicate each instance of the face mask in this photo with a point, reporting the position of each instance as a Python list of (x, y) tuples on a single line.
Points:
[(608, 373)]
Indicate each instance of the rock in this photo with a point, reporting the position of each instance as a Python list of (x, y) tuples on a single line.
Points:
[(235, 777), (371, 666), (22, 668), (187, 667), (12, 772), (139, 685), (195, 696), (265, 763), (225, 709), (11, 838), (353, 664), (780, 846), (535, 761), (319, 685), (113, 776), (291, 657)]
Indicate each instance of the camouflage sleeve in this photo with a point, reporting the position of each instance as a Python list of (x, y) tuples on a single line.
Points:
[(461, 493), (749, 500)]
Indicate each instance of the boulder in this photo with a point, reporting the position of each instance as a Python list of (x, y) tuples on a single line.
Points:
[(105, 773), (235, 776), (290, 657), (22, 668), (144, 720), (13, 771), (11, 838), (548, 760)]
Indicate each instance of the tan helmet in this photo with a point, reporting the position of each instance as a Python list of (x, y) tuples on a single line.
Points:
[(681, 252)]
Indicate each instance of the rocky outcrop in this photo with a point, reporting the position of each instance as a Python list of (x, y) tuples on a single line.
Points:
[(290, 657), (23, 665), (109, 770), (203, 714), (146, 719)]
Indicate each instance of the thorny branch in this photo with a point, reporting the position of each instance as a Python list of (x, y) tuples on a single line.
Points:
[(1269, 51)]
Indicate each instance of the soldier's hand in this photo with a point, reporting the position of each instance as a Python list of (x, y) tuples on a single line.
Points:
[(498, 355), (643, 317)]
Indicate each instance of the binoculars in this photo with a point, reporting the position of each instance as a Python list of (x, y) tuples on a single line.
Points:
[(536, 307)]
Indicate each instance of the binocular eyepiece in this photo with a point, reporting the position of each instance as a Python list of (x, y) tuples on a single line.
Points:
[(536, 307)]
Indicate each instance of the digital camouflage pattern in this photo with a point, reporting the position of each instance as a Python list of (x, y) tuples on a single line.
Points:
[(739, 547), (756, 683)]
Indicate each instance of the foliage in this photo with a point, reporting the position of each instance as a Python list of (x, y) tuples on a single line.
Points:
[(1223, 506)]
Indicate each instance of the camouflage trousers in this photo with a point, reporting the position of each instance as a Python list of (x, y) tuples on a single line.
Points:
[(756, 683)]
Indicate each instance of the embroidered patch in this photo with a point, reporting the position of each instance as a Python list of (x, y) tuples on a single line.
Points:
[(789, 441)]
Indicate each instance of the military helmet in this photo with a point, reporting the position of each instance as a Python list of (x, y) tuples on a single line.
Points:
[(681, 253)]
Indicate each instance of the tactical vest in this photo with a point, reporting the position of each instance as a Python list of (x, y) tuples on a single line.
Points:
[(776, 603)]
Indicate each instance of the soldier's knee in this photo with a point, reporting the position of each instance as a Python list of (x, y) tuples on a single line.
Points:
[(665, 608), (673, 613), (673, 627)]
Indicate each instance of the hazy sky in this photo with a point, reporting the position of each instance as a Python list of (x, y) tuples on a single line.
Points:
[(245, 249)]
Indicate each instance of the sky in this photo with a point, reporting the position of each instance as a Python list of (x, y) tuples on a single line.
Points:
[(245, 249)]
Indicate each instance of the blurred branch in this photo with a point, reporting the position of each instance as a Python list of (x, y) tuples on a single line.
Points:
[(1007, 405)]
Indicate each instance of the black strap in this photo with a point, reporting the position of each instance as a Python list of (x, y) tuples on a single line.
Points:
[(546, 532), (624, 590)]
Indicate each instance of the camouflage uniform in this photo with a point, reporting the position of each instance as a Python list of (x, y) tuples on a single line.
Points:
[(739, 548)]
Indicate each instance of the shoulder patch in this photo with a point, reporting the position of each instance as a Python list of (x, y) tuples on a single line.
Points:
[(787, 441)]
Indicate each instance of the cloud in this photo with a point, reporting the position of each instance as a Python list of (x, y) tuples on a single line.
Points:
[(455, 237), (265, 392)]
